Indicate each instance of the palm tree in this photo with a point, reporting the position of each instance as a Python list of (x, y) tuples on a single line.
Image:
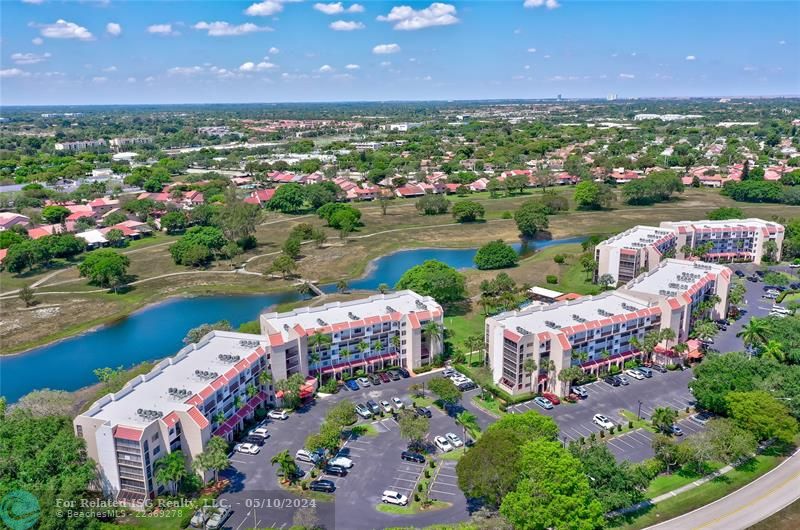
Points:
[(286, 465), (238, 402), (363, 348), (214, 458), (345, 355), (432, 330), (170, 470), (667, 335), (681, 348), (753, 333), (264, 379), (551, 369), (219, 418), (396, 342), (341, 286), (663, 418), (303, 289), (530, 366), (605, 355), (774, 350), (251, 390), (377, 347), (467, 420), (317, 341)]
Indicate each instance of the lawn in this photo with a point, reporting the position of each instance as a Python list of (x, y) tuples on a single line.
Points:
[(455, 454), (665, 483), (413, 508), (491, 406)]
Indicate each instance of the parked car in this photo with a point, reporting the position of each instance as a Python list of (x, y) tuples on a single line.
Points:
[(454, 440), (398, 403), (543, 402), (277, 414), (676, 430), (217, 517), (392, 497), (394, 375), (442, 443), (404, 373), (247, 448), (387, 408), (701, 418), (374, 379), (740, 274), (636, 374), (200, 516), (323, 485), (753, 278), (612, 380), (363, 382), (602, 421), (305, 456), (338, 471), (552, 398), (448, 372), (580, 392), (260, 432), (422, 411), (341, 461), (256, 440), (373, 407), (660, 368), (645, 371), (623, 380), (363, 411), (412, 457), (351, 384), (466, 385)]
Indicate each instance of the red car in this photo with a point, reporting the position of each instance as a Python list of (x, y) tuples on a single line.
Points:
[(384, 377), (552, 397)]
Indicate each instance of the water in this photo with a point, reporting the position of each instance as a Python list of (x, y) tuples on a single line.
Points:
[(157, 332)]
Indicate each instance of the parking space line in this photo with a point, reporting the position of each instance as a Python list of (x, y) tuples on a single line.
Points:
[(442, 492)]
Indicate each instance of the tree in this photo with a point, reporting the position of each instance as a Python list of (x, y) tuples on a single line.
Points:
[(468, 211), (432, 205), (447, 392), (26, 296), (341, 286), (568, 375), (236, 218), (436, 279), (729, 443), (291, 247), (288, 198), (759, 413), (413, 427), (614, 485), (197, 245), (383, 288), (55, 214), (773, 349), (606, 281), (194, 335), (327, 439), (468, 421), (432, 331), (286, 465), (115, 237), (531, 217), (588, 264), (174, 222), (283, 264), (496, 255), (667, 451), (590, 195), (553, 492), (214, 458), (725, 212), (170, 470), (753, 334), (42, 403), (290, 390), (319, 237), (104, 268), (316, 342), (10, 237), (663, 418), (342, 414)]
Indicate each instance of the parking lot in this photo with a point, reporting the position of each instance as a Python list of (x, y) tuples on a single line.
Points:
[(639, 397)]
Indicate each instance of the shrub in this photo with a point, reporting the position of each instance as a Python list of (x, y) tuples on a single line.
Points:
[(551, 279), (507, 215), (427, 474), (581, 440), (416, 497), (559, 258), (419, 486), (592, 437), (672, 366), (602, 434), (432, 463), (630, 424)]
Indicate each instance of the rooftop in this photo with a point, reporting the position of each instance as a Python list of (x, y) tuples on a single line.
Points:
[(724, 223), (637, 237), (673, 277), (188, 373)]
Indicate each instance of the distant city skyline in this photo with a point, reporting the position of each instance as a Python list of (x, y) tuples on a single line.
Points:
[(113, 52)]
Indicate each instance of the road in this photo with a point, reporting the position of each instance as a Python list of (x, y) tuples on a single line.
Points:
[(747, 505)]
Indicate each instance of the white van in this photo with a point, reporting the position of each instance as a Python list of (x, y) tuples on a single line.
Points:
[(780, 309)]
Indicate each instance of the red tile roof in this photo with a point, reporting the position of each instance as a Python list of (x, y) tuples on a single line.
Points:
[(127, 433)]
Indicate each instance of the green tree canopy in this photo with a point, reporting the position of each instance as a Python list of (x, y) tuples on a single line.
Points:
[(531, 218), (436, 279), (468, 211), (288, 198), (105, 267), (496, 255)]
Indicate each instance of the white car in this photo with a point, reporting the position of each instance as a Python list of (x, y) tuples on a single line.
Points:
[(304, 456), (398, 403), (636, 374), (392, 497), (386, 406), (454, 440), (363, 382), (260, 432), (342, 461), (248, 449), (624, 380), (602, 421), (277, 415), (442, 443)]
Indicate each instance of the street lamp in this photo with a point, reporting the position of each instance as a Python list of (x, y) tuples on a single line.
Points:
[(639, 412)]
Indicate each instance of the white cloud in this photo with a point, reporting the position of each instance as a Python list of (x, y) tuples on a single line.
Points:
[(531, 50), (13, 72), (264, 9), (99, 79), (549, 4), (162, 29), (386, 63), (781, 42), (38, 41), (690, 57), (113, 29), (346, 25), (131, 80), (149, 79), (334, 8), (110, 69), (750, 68), (355, 8), (274, 50), (352, 67), (527, 67), (226, 29), (407, 18), (62, 29), (385, 49), (627, 76), (250, 66), (325, 69), (29, 58), (32, 1), (185, 70)]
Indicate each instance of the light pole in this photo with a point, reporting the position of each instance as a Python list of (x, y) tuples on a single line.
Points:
[(639, 412)]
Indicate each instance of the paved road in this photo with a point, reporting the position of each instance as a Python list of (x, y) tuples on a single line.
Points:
[(746, 506)]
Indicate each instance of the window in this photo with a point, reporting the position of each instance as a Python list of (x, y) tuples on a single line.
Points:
[(155, 437), (156, 450), (79, 430)]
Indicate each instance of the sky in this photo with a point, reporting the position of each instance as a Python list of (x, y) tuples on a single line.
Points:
[(135, 52)]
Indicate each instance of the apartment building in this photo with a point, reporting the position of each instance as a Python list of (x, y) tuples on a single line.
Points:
[(208, 388), (641, 248), (730, 239), (81, 145), (118, 143), (634, 251), (382, 330), (597, 330)]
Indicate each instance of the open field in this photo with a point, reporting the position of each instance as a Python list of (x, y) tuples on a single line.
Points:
[(67, 305)]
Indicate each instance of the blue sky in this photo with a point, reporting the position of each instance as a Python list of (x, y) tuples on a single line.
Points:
[(114, 51)]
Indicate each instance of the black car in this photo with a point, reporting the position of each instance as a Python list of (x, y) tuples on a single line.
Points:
[(373, 407), (467, 385), (422, 411), (395, 375), (659, 368), (740, 274), (613, 380), (753, 278), (257, 440), (412, 457), (761, 274), (795, 285), (404, 373), (339, 471), (322, 485)]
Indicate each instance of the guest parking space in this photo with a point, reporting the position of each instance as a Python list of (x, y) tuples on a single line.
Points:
[(444, 485)]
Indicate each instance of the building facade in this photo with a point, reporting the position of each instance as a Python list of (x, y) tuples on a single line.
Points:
[(81, 145), (597, 331), (634, 251)]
